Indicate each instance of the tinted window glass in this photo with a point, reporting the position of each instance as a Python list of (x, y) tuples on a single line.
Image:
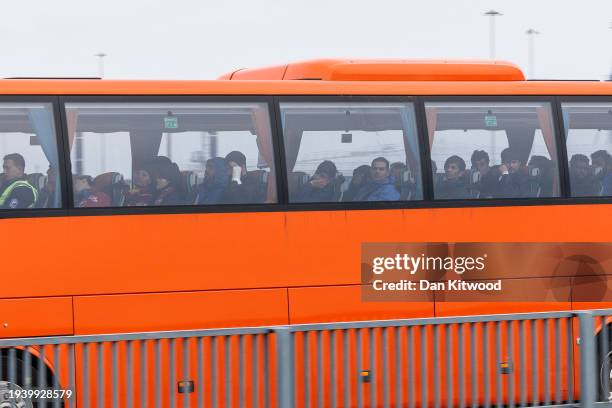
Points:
[(351, 152), (28, 149), (158, 154), (589, 145), (492, 150)]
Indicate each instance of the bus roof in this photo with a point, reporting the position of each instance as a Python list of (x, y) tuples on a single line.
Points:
[(385, 70), (330, 77)]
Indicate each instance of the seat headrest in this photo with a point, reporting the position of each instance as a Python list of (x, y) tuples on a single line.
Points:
[(598, 171), (116, 178), (190, 178), (259, 176), (475, 177), (339, 179), (38, 180), (407, 176), (534, 172)]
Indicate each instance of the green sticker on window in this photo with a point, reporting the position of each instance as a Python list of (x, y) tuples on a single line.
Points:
[(490, 121), (171, 122)]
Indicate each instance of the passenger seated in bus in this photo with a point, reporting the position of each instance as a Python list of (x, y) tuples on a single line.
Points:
[(381, 186), (453, 185), (81, 188), (361, 177), (602, 159), (90, 192), (489, 176), (241, 189), (142, 192), (320, 187), (545, 165), (167, 185), (514, 181), (582, 182), (15, 191), (216, 179)]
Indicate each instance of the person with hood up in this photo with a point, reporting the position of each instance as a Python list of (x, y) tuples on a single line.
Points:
[(320, 187), (216, 180), (167, 185), (361, 177), (382, 186)]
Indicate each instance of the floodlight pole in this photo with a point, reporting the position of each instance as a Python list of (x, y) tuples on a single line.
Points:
[(610, 26), (101, 56), (492, 14), (531, 45)]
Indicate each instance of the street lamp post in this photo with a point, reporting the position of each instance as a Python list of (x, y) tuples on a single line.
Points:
[(101, 56), (492, 14), (610, 71), (531, 44)]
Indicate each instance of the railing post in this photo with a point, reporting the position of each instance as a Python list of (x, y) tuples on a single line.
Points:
[(285, 374), (588, 380)]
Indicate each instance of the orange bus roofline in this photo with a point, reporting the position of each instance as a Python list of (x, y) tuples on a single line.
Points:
[(385, 70)]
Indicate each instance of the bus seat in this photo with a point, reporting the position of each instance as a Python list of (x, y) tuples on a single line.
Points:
[(473, 177), (260, 179), (337, 183), (38, 180), (535, 181), (295, 181), (112, 183), (189, 180), (407, 185)]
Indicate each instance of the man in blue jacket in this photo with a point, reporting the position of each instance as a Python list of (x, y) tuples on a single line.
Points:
[(382, 187)]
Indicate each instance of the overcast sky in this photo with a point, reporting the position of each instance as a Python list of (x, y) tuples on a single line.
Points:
[(202, 39)]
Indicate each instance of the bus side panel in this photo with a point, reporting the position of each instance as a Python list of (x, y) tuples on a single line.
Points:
[(36, 317), (37, 260), (177, 252), (344, 303), (179, 311)]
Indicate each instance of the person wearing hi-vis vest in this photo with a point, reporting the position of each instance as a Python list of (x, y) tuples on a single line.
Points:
[(16, 192)]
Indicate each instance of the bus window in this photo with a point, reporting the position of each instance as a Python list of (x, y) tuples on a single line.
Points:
[(161, 154), (492, 150), (351, 152), (588, 128), (30, 162)]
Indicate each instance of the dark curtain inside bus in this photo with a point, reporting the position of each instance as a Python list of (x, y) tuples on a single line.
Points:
[(293, 139), (520, 139), (42, 123), (145, 145)]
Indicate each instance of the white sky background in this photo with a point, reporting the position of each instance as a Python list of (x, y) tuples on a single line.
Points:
[(202, 39)]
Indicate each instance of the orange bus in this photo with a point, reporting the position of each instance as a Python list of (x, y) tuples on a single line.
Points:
[(130, 206)]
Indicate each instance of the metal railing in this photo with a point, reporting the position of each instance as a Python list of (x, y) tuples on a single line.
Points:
[(513, 360)]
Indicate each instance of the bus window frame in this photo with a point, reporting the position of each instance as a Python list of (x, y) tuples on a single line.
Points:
[(273, 102), (410, 99), (577, 99), (560, 148), (173, 209), (53, 101)]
